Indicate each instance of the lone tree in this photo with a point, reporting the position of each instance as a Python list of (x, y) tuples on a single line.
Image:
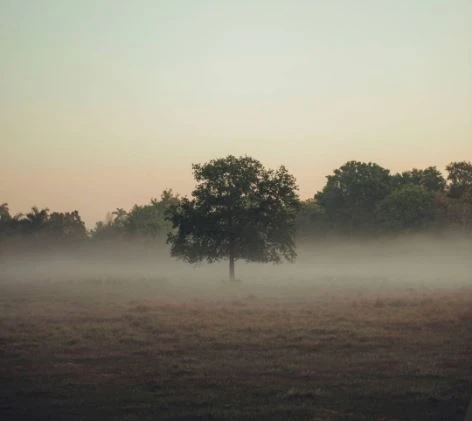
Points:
[(239, 210)]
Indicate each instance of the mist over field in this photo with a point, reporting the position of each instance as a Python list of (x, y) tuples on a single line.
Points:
[(352, 329), (416, 261)]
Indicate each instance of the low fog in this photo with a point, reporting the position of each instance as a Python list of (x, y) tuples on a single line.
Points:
[(409, 261)]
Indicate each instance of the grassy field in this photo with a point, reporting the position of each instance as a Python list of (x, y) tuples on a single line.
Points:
[(147, 350)]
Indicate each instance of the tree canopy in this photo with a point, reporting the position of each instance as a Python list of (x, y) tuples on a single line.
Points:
[(409, 207), (460, 177), (42, 225), (351, 194), (430, 179), (239, 210), (141, 221)]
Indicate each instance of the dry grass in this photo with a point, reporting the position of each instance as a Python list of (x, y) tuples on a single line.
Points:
[(135, 351)]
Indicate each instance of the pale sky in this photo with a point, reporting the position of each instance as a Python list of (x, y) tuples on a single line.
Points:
[(103, 104)]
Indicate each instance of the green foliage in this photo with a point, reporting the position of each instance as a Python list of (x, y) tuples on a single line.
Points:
[(409, 207), (119, 217), (5, 221), (460, 189), (10, 226), (150, 220), (238, 210), (67, 225), (36, 220), (312, 221), (104, 230), (460, 178), (59, 226), (142, 221), (39, 224), (4, 213), (351, 195), (430, 179)]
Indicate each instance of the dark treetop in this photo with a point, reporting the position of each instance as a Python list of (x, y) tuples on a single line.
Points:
[(238, 210)]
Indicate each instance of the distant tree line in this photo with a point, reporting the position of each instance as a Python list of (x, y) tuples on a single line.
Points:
[(41, 228), (366, 199), (358, 199), (144, 222)]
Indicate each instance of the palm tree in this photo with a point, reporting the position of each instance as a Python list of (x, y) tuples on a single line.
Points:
[(120, 216), (37, 218)]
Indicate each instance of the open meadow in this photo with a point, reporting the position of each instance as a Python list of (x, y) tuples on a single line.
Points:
[(236, 210), (147, 349)]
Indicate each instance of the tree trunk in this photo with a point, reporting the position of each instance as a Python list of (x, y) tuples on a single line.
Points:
[(231, 266)]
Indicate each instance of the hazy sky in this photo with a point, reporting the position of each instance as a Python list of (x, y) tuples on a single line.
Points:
[(105, 103)]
